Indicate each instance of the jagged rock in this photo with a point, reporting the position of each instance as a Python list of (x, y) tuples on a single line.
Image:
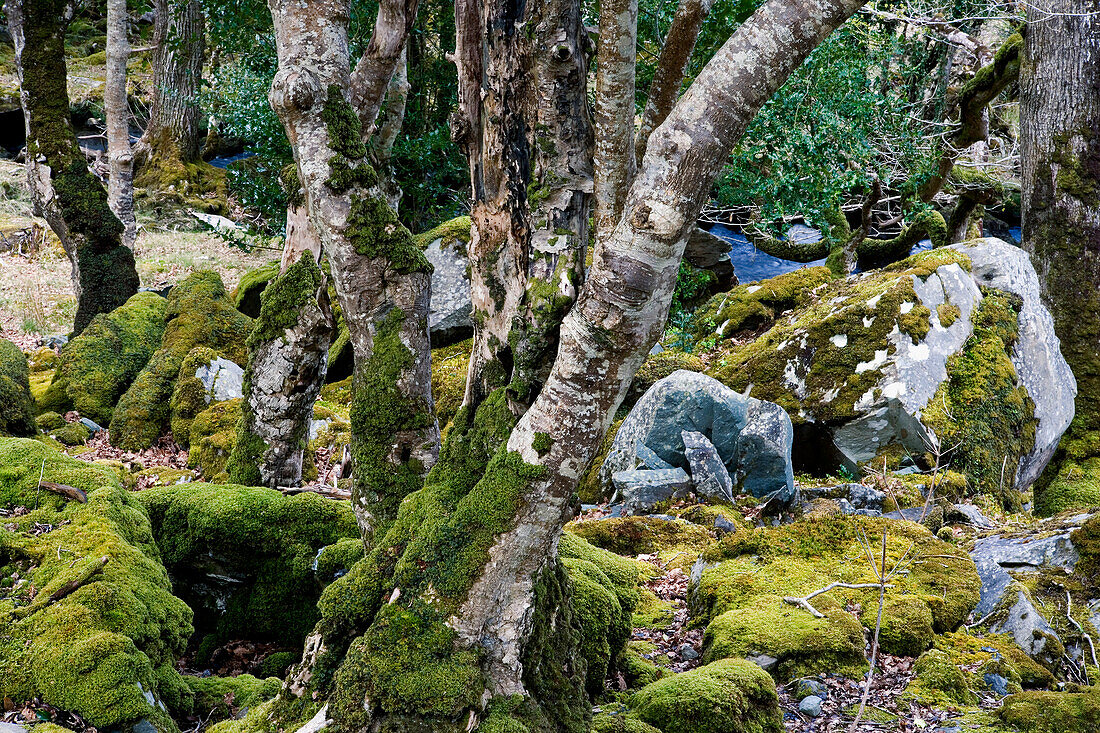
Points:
[(974, 516), (806, 687), (641, 491), (450, 318), (1021, 620), (222, 379), (710, 252), (651, 460), (752, 438), (708, 472)]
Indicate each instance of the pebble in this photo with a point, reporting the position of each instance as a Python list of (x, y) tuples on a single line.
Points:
[(810, 706), (687, 651), (807, 687)]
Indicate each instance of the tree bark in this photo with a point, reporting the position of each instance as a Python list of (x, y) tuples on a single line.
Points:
[(120, 184), (616, 56), (382, 278), (65, 193), (171, 139), (287, 362), (1060, 161)]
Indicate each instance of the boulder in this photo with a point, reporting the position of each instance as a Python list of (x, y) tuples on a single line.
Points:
[(450, 318), (246, 298), (16, 404), (641, 491), (753, 439), (708, 472), (710, 252), (222, 379), (1019, 618)]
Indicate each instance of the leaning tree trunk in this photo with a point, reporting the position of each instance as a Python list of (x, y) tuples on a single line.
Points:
[(1060, 159), (382, 278), (171, 139), (64, 191), (287, 362), (120, 184), (461, 611)]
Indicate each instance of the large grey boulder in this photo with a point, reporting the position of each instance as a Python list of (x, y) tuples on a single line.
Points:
[(710, 252), (450, 317), (753, 438), (1036, 355), (222, 379), (1022, 621)]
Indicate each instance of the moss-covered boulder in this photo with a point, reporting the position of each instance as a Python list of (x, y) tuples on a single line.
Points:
[(728, 696), (264, 541), (199, 314), (1053, 712), (98, 650), (71, 434), (742, 595), (632, 536), (96, 368), (246, 298), (16, 403), (213, 433)]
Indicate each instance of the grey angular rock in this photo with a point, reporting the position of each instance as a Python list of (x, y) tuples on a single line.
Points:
[(708, 472), (753, 438), (687, 651), (1024, 623), (641, 490), (450, 317), (11, 728), (997, 683), (996, 555), (650, 459), (222, 379), (864, 497), (710, 252), (723, 526), (1037, 354), (974, 516), (92, 425), (764, 661), (810, 706), (809, 686)]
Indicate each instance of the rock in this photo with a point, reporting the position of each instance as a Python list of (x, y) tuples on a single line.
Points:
[(11, 728), (865, 497), (54, 342), (710, 252), (92, 425), (687, 651), (752, 438), (723, 526), (974, 516), (997, 683), (765, 662), (222, 379), (810, 706), (641, 491), (995, 556), (1036, 355), (16, 403), (708, 472), (318, 722), (1023, 622), (246, 298), (450, 318), (806, 687), (728, 695), (653, 461), (317, 426)]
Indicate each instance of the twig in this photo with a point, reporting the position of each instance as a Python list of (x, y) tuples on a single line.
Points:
[(878, 627), (41, 473), (83, 577), (804, 601)]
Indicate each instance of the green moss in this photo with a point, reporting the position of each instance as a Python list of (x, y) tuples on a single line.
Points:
[(246, 298), (16, 403), (71, 434), (283, 298), (198, 314), (375, 231), (634, 536), (927, 224), (216, 698), (938, 680), (43, 359), (189, 397), (265, 538), (213, 436), (982, 409), (1053, 712), (948, 314), (729, 696), (607, 722), (756, 305), (96, 649), (454, 233), (449, 364), (589, 488), (49, 421), (605, 625), (97, 366)]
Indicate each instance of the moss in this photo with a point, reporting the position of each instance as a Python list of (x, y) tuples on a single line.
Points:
[(652, 612), (198, 314), (756, 305), (265, 539), (97, 366), (49, 421), (981, 408), (217, 698), (246, 298), (43, 359), (94, 651), (927, 224), (1053, 712), (283, 298), (606, 722), (938, 679), (73, 433), (449, 364), (948, 313), (589, 488), (164, 476), (728, 696), (16, 403), (189, 397), (605, 624), (454, 233), (213, 436), (636, 669), (705, 515), (634, 536)]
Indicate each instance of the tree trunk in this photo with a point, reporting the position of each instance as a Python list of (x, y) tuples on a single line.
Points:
[(120, 184), (171, 139), (287, 361), (382, 278), (617, 59), (462, 606), (1060, 161), (65, 193)]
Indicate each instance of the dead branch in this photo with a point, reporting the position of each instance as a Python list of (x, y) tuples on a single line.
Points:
[(804, 601), (69, 492), (83, 577)]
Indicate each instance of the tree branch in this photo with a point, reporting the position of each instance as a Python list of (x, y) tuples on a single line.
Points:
[(614, 156), (804, 601)]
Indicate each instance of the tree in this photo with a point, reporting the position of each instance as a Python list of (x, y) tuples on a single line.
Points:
[(171, 139), (460, 610), (120, 184), (65, 192), (1060, 161)]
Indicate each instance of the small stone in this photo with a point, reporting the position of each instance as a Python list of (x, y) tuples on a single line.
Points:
[(764, 661), (650, 459), (11, 728), (810, 706), (223, 380), (687, 651), (723, 526), (92, 425), (997, 683), (806, 687)]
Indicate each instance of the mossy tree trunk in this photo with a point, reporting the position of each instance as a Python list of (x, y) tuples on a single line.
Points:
[(171, 139), (382, 278), (287, 363), (65, 193), (460, 613), (1060, 159), (526, 126)]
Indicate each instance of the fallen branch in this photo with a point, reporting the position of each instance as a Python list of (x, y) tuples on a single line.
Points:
[(83, 577), (804, 601), (69, 492)]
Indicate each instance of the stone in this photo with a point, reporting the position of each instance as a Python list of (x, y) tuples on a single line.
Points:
[(808, 686), (764, 661), (11, 728), (864, 497), (651, 460), (810, 706), (318, 722), (687, 651), (222, 379), (1037, 354), (995, 556), (1025, 624), (708, 472), (92, 425), (974, 516), (710, 252), (641, 490), (450, 318), (997, 683), (752, 438), (723, 526)]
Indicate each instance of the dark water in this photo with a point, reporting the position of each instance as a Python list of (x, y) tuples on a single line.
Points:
[(230, 159)]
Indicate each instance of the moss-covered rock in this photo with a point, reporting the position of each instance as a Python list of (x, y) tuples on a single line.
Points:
[(96, 368), (1053, 712), (189, 397), (634, 536), (71, 434), (756, 305), (742, 595), (728, 696), (16, 403), (99, 649), (449, 364), (265, 540), (246, 298), (49, 421), (213, 434), (199, 314)]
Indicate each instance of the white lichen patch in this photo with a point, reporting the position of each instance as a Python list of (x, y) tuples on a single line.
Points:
[(839, 340), (919, 352), (875, 363), (906, 307)]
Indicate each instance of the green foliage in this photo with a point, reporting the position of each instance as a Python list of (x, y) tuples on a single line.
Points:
[(16, 403)]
